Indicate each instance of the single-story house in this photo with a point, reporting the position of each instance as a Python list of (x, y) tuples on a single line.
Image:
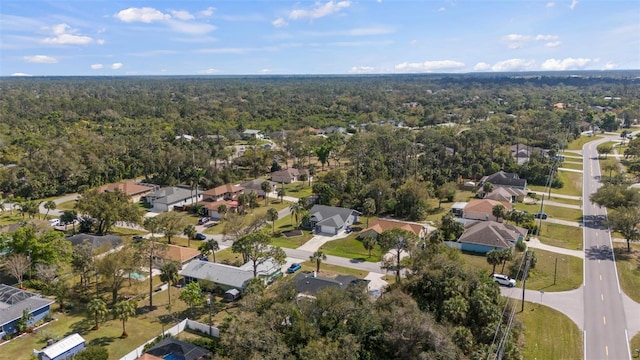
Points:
[(227, 276), (289, 175), (506, 179), (457, 208), (331, 219), (255, 134), (309, 284), (63, 349), (135, 190), (222, 192), (98, 242), (165, 199), (212, 207), (180, 254), (171, 348), (501, 193), (484, 236), (482, 209), (14, 301), (378, 226), (256, 186)]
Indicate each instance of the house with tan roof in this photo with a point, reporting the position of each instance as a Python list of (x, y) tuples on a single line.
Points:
[(212, 208), (223, 192), (484, 236), (180, 254), (289, 175), (501, 193), (378, 226), (482, 209), (135, 190)]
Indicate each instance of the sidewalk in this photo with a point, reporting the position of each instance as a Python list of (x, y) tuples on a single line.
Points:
[(560, 196), (565, 301), (535, 243)]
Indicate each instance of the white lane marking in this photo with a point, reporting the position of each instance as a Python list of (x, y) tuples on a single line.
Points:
[(604, 320), (602, 297)]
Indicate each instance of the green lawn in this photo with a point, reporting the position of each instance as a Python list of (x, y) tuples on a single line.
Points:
[(563, 340), (228, 257), (628, 265), (297, 189), (571, 166), (634, 344), (569, 275), (555, 212), (330, 271), (351, 248), (67, 205), (568, 237), (579, 142), (7, 218), (436, 213), (293, 242), (572, 184)]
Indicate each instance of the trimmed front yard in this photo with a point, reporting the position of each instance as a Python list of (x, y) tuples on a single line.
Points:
[(572, 184), (555, 212), (578, 143), (563, 340), (567, 237), (351, 248), (628, 265)]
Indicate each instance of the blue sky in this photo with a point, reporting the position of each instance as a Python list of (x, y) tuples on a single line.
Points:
[(234, 37)]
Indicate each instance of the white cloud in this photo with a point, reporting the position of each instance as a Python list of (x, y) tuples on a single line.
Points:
[(551, 4), (145, 15), (516, 41), (377, 30), (553, 44), (482, 66), (40, 59), (441, 9), (65, 35), (207, 12), (116, 66), (610, 66), (97, 66), (361, 70), (428, 66), (546, 37), (194, 28), (279, 22), (265, 71), (321, 10), (566, 64), (20, 74), (182, 15), (573, 4), (513, 65), (209, 71)]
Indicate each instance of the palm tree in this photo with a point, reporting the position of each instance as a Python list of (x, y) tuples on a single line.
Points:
[(272, 215), (498, 211), (222, 210), (369, 208), (494, 259), (318, 256), (69, 217), (369, 242), (123, 310), (49, 205), (296, 210), (151, 225), (243, 201), (266, 187), (169, 274), (209, 247), (190, 232), (505, 255), (97, 309)]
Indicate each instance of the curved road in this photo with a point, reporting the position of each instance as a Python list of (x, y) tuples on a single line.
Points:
[(605, 324)]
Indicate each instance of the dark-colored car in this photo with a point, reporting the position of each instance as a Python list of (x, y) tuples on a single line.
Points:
[(293, 268), (201, 236), (542, 216)]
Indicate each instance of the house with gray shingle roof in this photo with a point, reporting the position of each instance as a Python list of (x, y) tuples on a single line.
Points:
[(484, 236), (227, 276), (331, 219), (14, 301), (166, 198), (506, 179)]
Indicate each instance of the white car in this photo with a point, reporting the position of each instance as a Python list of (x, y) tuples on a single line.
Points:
[(54, 222), (504, 280)]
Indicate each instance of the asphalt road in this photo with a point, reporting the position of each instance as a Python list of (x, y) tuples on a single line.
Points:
[(605, 325)]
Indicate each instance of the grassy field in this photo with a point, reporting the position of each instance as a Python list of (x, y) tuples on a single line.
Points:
[(351, 248), (628, 265), (569, 275), (568, 165), (555, 212), (563, 340), (292, 242), (634, 344), (297, 189), (572, 184), (568, 237), (330, 271), (67, 205), (436, 213), (578, 143)]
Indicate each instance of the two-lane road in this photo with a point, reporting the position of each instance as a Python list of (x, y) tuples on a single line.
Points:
[(605, 325)]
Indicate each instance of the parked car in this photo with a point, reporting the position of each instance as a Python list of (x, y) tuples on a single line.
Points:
[(203, 220), (201, 236), (293, 268), (504, 280), (54, 222), (539, 215)]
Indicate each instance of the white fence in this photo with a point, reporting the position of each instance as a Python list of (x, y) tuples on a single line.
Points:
[(177, 329), (453, 244)]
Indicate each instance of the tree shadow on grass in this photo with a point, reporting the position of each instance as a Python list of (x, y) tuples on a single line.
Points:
[(81, 327), (101, 341)]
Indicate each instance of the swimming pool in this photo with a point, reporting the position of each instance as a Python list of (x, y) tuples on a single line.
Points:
[(172, 356), (137, 276)]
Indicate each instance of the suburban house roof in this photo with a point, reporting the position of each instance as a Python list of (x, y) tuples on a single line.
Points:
[(226, 274), (330, 215), (171, 195), (180, 254), (486, 205), (96, 241), (287, 174), (307, 283), (501, 193), (491, 233), (381, 225), (62, 346), (256, 185), (251, 132), (214, 205), (502, 178), (223, 189), (13, 301), (128, 187), (459, 205), (180, 350)]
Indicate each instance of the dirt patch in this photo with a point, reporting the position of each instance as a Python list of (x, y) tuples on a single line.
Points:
[(292, 233)]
